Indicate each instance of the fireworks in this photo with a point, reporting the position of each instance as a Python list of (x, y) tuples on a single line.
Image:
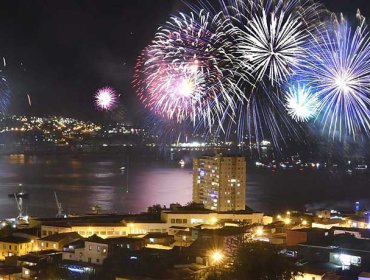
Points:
[(271, 36), (338, 70), (301, 103), (187, 72), (106, 98), (257, 68), (4, 94), (274, 46)]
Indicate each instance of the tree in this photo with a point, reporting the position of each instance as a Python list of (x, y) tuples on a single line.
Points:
[(155, 211), (262, 261)]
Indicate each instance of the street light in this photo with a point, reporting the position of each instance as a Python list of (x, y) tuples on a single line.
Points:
[(217, 256), (259, 231), (213, 220)]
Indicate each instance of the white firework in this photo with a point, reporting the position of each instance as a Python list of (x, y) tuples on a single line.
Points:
[(301, 103), (273, 45)]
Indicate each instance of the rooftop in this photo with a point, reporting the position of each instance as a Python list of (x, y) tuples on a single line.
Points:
[(185, 210), (309, 229), (341, 242), (156, 235), (60, 236), (365, 233), (14, 239)]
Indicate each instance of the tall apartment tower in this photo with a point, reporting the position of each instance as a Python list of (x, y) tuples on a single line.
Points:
[(219, 182)]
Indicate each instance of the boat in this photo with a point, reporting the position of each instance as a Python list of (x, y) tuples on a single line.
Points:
[(361, 167)]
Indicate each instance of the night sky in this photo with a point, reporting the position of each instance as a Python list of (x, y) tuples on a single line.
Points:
[(60, 52)]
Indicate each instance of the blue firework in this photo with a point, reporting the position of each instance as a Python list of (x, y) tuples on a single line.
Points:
[(338, 71)]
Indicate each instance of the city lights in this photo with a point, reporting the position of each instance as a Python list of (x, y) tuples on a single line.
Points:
[(231, 140), (213, 220), (217, 256)]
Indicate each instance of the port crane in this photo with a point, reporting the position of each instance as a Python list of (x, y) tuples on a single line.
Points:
[(60, 213)]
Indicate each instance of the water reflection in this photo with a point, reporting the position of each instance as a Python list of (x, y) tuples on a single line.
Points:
[(85, 181)]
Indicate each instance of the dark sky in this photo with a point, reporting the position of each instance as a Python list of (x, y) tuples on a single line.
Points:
[(70, 48)]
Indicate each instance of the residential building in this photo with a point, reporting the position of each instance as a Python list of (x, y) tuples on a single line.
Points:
[(187, 217), (94, 250), (219, 182), (183, 217), (296, 236), (15, 246), (90, 250), (56, 241), (85, 229)]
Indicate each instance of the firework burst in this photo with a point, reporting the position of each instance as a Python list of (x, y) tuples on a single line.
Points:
[(338, 70), (273, 46), (187, 73), (271, 36), (301, 103), (106, 98)]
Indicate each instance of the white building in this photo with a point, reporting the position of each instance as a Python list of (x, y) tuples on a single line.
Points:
[(92, 250), (219, 182)]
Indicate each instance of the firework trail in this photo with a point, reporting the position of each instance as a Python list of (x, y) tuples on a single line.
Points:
[(4, 95), (262, 117), (106, 98), (338, 71)]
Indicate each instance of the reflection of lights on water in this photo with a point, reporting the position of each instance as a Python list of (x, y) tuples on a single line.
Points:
[(104, 175)]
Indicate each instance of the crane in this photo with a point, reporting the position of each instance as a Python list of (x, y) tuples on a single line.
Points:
[(60, 213), (21, 219)]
